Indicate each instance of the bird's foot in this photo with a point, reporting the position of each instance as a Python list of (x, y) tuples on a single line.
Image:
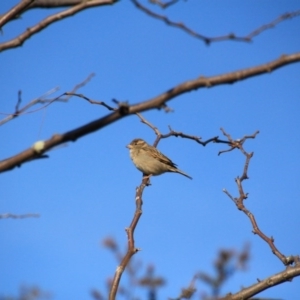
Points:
[(146, 179)]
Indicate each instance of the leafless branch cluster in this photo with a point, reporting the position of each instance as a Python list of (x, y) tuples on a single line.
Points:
[(120, 109), (123, 109), (239, 201), (292, 262), (159, 101), (43, 100), (131, 249), (160, 136), (75, 7)]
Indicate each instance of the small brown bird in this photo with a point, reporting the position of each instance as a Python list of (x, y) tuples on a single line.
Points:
[(149, 160)]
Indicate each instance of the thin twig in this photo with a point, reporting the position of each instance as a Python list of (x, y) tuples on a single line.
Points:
[(41, 100), (143, 120), (272, 24), (91, 101), (209, 40), (160, 136)]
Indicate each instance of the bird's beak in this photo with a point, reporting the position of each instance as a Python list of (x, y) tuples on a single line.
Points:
[(129, 146)]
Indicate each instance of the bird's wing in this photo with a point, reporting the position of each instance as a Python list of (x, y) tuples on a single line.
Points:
[(164, 159)]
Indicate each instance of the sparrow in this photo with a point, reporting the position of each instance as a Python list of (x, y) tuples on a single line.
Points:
[(149, 160)]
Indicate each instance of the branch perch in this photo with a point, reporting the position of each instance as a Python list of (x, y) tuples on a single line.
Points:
[(131, 250), (155, 102), (239, 201)]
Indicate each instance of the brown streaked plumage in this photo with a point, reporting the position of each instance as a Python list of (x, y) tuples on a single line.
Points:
[(150, 161)]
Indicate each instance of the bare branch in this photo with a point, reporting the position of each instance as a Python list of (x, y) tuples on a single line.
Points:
[(18, 41), (131, 250), (239, 202), (20, 111), (13, 216), (54, 3), (291, 271), (209, 40), (171, 23), (15, 11), (78, 5), (143, 120), (42, 100), (155, 102), (160, 136), (262, 285), (272, 24), (202, 81), (91, 101)]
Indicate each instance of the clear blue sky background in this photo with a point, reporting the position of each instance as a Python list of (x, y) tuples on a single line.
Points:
[(85, 191)]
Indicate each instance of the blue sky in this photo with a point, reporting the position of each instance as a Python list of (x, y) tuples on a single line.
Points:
[(85, 191)]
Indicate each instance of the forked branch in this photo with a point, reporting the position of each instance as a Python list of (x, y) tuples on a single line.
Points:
[(158, 102), (131, 249), (19, 40), (42, 100), (239, 201), (160, 136)]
